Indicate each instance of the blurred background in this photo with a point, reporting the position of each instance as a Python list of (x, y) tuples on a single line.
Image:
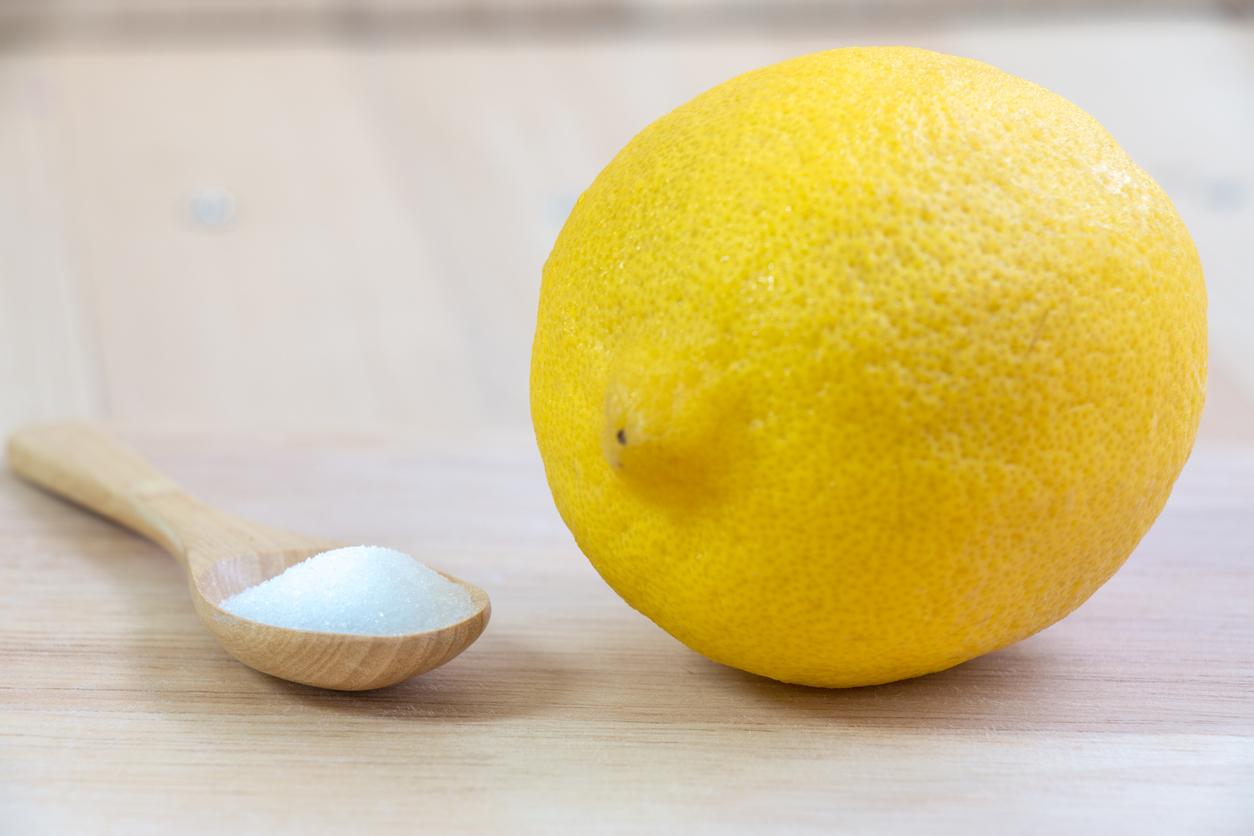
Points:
[(331, 215)]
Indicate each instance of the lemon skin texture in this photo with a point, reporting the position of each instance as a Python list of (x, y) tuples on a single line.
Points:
[(866, 363)]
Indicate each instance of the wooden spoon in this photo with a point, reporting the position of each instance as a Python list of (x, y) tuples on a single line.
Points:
[(224, 555)]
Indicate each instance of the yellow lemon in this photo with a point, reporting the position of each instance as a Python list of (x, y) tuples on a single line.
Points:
[(866, 363)]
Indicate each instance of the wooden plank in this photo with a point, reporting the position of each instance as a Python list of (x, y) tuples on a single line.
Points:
[(48, 366), (573, 713), (249, 259)]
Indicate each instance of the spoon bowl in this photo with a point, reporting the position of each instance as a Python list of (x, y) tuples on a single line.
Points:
[(224, 555), (341, 661)]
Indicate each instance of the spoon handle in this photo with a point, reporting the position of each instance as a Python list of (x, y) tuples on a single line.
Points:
[(84, 464)]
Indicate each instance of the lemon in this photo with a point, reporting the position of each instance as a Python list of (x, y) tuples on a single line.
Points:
[(866, 363)]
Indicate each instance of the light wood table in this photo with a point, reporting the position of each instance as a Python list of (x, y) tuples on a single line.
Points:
[(119, 714)]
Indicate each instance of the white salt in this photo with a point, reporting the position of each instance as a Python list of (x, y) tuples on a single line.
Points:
[(368, 590)]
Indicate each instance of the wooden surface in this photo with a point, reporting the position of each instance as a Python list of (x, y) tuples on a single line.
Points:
[(329, 217), (119, 714), (205, 229)]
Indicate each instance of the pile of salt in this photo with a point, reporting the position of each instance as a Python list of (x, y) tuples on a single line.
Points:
[(367, 590)]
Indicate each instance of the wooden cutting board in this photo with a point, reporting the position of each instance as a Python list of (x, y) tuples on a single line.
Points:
[(573, 713)]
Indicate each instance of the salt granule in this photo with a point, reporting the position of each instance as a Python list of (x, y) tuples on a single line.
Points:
[(368, 590)]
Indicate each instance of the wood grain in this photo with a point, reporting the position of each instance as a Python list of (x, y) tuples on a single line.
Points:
[(573, 713), (312, 305), (47, 338)]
